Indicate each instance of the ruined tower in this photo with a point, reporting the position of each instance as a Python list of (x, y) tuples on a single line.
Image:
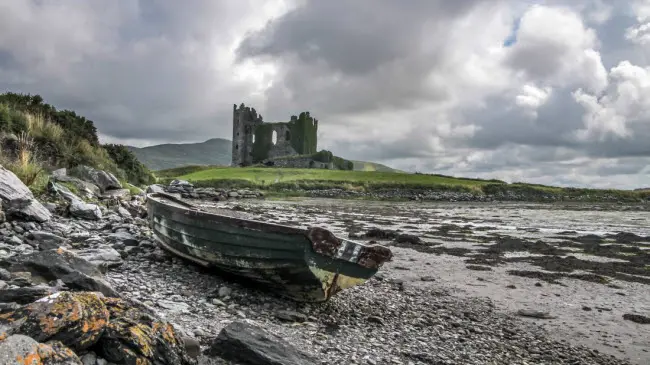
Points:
[(245, 120), (254, 141)]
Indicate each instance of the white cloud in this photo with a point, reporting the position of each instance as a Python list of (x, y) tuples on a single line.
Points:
[(554, 46), (532, 97), (625, 102)]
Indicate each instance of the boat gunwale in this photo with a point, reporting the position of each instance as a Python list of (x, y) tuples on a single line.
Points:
[(246, 223), (323, 241)]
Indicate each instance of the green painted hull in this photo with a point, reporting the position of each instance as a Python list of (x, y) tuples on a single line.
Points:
[(307, 265)]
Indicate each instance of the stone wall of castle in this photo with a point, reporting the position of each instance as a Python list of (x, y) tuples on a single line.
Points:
[(255, 141), (245, 121)]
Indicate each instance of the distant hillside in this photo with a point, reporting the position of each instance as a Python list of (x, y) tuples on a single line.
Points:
[(213, 152), (216, 151), (372, 166)]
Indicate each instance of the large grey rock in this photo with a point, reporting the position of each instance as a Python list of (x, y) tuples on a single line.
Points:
[(102, 257), (155, 188), (122, 237), (60, 173), (47, 240), (117, 194), (74, 271), (104, 180), (252, 345), (18, 200), (86, 189), (21, 349), (83, 210)]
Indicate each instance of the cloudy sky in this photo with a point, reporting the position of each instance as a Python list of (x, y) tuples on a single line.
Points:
[(554, 91)]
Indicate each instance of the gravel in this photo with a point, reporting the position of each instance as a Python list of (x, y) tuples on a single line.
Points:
[(385, 321)]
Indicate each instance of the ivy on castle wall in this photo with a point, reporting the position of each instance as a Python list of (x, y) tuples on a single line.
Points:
[(303, 137), (303, 134), (263, 142)]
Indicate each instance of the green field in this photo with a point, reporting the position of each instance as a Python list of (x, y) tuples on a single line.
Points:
[(289, 181), (265, 177)]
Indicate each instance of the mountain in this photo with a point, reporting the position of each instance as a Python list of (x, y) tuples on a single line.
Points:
[(216, 151)]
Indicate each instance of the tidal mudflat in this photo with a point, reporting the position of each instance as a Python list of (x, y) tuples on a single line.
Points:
[(580, 271)]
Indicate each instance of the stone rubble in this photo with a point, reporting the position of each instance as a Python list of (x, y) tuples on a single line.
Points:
[(187, 190), (82, 289)]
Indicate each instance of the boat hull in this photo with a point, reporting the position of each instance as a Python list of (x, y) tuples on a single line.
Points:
[(307, 265)]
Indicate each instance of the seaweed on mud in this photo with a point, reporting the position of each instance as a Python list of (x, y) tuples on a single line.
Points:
[(478, 268), (511, 244), (438, 250), (490, 260), (619, 270), (553, 277)]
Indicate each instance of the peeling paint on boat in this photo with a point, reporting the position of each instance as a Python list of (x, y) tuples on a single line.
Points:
[(304, 264)]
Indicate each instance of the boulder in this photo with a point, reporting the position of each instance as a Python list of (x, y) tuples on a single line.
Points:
[(86, 189), (60, 173), (62, 191), (46, 240), (18, 200), (83, 210), (122, 194), (21, 349), (155, 188), (74, 271), (250, 344), (77, 320), (135, 335), (104, 180), (25, 295), (102, 257)]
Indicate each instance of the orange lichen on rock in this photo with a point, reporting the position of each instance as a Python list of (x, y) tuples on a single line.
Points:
[(75, 319), (134, 335), (56, 352)]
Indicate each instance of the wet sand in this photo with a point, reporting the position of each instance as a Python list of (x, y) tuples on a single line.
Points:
[(584, 265)]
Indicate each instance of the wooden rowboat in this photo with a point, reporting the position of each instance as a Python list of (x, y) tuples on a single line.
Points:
[(306, 265)]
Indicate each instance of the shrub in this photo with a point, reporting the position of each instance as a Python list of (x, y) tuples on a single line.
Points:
[(135, 171), (26, 165)]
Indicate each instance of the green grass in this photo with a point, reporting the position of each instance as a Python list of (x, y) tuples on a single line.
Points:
[(269, 176), (290, 182)]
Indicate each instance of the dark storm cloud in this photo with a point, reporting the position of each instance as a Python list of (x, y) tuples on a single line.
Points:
[(352, 57), (145, 72), (354, 38)]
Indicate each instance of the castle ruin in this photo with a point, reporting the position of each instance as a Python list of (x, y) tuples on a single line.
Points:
[(254, 141)]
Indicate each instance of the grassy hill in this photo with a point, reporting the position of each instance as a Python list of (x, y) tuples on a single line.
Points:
[(216, 151), (372, 166), (282, 180), (37, 138), (213, 152)]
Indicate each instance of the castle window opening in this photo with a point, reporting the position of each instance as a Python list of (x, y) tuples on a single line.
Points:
[(236, 146), (253, 138), (287, 136), (274, 137)]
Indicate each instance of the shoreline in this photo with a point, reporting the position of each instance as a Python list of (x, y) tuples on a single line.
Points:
[(565, 286), (204, 191), (423, 307)]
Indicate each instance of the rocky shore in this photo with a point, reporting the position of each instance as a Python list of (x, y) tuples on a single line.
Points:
[(454, 196), (187, 190), (82, 282)]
